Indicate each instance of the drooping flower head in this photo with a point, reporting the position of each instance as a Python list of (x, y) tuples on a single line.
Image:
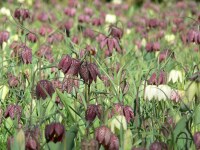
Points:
[(44, 88), (54, 132)]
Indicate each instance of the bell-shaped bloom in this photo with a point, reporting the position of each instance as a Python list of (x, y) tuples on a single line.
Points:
[(44, 88), (110, 18), (105, 137), (116, 32), (157, 78), (54, 132), (89, 72), (196, 138), (175, 76), (70, 66), (114, 143), (13, 111), (93, 111), (164, 92), (161, 92), (26, 55), (118, 123), (32, 37), (13, 81), (175, 96)]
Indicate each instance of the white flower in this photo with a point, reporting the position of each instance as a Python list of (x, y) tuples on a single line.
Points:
[(117, 123), (150, 92), (164, 92), (20, 1), (117, 1), (175, 76), (110, 18), (5, 11), (161, 92), (128, 31), (170, 38)]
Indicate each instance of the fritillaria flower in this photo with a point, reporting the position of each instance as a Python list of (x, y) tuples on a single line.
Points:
[(67, 26), (46, 52), (72, 3), (43, 16), (196, 138), (193, 37), (111, 43), (32, 37), (4, 36), (69, 65), (93, 111), (157, 78), (32, 137), (21, 14), (26, 55), (97, 21), (128, 113), (118, 123), (114, 143), (84, 18), (71, 12), (151, 47), (70, 83), (120, 109), (56, 37), (175, 76), (13, 111), (165, 54), (105, 137), (54, 132), (75, 39), (175, 96), (88, 11), (160, 92), (44, 88), (158, 146), (116, 32), (89, 33), (12, 80), (45, 30), (89, 72), (110, 18), (152, 23)]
